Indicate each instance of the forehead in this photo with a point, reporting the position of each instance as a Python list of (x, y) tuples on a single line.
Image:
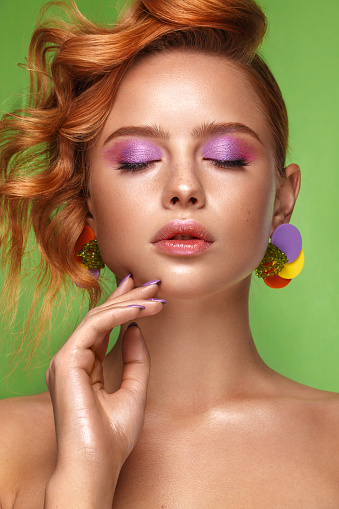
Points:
[(179, 90)]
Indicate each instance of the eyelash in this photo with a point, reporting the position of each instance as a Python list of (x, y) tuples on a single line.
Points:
[(233, 163), (135, 166)]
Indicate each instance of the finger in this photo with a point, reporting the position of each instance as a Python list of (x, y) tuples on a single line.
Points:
[(128, 283), (136, 361), (99, 322), (101, 319), (124, 286), (101, 349), (91, 335), (97, 373), (142, 292)]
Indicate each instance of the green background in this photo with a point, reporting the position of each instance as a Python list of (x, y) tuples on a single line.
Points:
[(295, 329)]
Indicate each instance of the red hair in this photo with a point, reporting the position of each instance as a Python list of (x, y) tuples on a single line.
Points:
[(75, 69)]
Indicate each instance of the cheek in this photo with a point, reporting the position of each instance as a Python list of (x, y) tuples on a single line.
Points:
[(246, 217), (247, 199), (113, 218), (258, 221), (118, 213)]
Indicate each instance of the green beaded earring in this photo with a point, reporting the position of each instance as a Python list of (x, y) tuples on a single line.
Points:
[(86, 252), (272, 263)]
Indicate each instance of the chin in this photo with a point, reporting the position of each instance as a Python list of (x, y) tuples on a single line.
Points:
[(192, 285)]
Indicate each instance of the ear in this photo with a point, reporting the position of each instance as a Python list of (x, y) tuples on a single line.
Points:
[(286, 196), (89, 218)]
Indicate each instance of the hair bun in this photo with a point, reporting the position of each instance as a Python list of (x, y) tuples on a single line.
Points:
[(242, 20)]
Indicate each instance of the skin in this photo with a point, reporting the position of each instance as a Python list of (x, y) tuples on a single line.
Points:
[(235, 205), (213, 425)]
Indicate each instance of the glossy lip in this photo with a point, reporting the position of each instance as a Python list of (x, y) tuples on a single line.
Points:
[(163, 239)]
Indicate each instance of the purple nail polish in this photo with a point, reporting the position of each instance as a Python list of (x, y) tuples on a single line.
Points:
[(133, 324), (154, 282), (136, 306), (123, 280), (163, 301)]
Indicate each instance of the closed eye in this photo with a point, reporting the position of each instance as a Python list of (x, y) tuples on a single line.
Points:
[(232, 163), (135, 166)]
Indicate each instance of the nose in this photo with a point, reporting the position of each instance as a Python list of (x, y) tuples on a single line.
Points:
[(184, 188)]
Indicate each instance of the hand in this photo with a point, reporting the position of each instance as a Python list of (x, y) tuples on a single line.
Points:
[(96, 430)]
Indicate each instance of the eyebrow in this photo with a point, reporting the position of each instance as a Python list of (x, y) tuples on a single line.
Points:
[(202, 131)]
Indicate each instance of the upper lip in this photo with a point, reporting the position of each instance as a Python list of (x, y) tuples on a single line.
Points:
[(183, 227)]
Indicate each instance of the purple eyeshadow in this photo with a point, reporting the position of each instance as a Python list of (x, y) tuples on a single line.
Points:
[(226, 148), (133, 152)]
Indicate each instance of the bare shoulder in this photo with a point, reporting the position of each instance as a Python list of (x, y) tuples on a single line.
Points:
[(28, 448), (325, 406), (304, 392), (315, 409), (314, 398)]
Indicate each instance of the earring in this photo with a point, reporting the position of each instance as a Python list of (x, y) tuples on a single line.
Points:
[(86, 252), (284, 257)]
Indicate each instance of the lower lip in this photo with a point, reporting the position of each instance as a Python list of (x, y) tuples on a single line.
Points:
[(183, 247)]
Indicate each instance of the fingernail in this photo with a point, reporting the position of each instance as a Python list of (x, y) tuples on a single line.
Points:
[(133, 324), (136, 306), (163, 301), (154, 282), (123, 280)]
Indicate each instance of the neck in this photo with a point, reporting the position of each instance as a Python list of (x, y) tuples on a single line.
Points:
[(202, 346)]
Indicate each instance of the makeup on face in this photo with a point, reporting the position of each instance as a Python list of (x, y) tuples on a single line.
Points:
[(133, 152), (228, 148)]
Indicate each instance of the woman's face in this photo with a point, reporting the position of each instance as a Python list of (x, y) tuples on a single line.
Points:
[(185, 142)]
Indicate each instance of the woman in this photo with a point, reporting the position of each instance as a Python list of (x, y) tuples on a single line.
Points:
[(167, 137)]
